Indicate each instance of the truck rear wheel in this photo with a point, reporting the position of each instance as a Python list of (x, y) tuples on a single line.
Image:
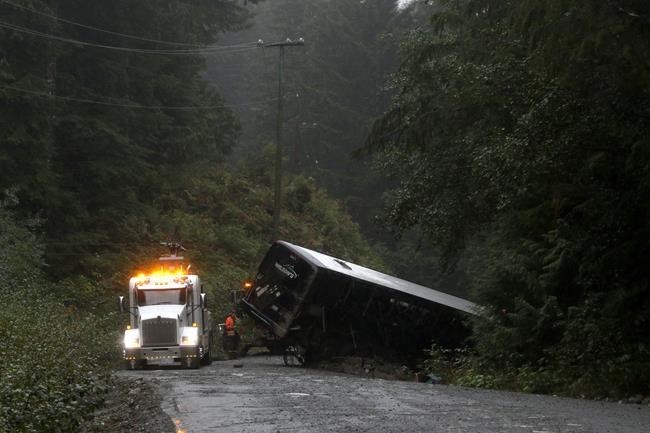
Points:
[(207, 355), (207, 358)]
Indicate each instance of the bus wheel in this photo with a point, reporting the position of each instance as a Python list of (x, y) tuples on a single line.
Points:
[(294, 356)]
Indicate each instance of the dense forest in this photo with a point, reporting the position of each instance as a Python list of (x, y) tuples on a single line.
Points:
[(111, 140), (519, 133), (496, 149)]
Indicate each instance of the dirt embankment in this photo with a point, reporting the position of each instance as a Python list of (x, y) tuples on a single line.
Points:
[(132, 406)]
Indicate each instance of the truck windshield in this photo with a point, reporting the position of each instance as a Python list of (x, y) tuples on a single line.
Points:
[(157, 297)]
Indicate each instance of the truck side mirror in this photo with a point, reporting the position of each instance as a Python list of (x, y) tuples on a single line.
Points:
[(204, 301), (121, 304), (236, 295)]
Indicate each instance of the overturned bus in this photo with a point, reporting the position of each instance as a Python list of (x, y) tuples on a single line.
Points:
[(315, 305)]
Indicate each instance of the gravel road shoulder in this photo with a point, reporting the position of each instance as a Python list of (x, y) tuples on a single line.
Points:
[(133, 405)]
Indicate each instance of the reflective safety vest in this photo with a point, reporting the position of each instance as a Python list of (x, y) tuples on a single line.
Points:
[(230, 323)]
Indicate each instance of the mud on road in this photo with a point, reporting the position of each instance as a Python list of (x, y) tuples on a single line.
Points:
[(265, 396)]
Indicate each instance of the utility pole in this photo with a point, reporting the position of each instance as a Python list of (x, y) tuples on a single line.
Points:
[(278, 145)]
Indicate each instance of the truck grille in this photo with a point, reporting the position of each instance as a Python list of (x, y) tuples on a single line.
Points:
[(159, 332)]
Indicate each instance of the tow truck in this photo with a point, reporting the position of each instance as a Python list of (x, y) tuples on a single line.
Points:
[(169, 323)]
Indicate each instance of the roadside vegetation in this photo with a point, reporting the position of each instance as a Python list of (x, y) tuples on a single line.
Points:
[(519, 135), (54, 357)]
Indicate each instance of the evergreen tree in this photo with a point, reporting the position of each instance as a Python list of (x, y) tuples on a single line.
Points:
[(101, 145), (518, 131)]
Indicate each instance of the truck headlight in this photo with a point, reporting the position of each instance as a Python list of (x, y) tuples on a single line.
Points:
[(190, 337), (131, 339)]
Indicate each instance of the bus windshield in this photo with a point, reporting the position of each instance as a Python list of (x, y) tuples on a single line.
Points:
[(157, 297)]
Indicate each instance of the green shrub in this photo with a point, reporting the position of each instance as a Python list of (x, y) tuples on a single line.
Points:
[(53, 370)]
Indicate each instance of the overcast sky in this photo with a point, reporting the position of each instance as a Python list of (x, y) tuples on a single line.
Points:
[(402, 3)]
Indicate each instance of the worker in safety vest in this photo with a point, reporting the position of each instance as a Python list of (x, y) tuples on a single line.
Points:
[(230, 324), (230, 336)]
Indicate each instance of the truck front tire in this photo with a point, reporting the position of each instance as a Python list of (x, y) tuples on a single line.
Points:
[(135, 364), (193, 363)]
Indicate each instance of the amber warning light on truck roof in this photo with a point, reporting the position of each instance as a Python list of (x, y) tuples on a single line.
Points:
[(160, 272)]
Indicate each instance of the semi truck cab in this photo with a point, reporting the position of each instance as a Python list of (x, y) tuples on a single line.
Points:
[(169, 322)]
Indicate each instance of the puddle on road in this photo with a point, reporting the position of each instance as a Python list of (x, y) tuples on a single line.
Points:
[(297, 394)]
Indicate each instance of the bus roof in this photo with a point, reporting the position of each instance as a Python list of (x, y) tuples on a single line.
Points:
[(371, 276)]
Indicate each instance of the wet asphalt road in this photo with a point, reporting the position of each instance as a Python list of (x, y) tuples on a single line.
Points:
[(265, 396)]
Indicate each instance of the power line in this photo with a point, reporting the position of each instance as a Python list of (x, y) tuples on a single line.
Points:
[(222, 49), (212, 50), (131, 105), (98, 29)]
